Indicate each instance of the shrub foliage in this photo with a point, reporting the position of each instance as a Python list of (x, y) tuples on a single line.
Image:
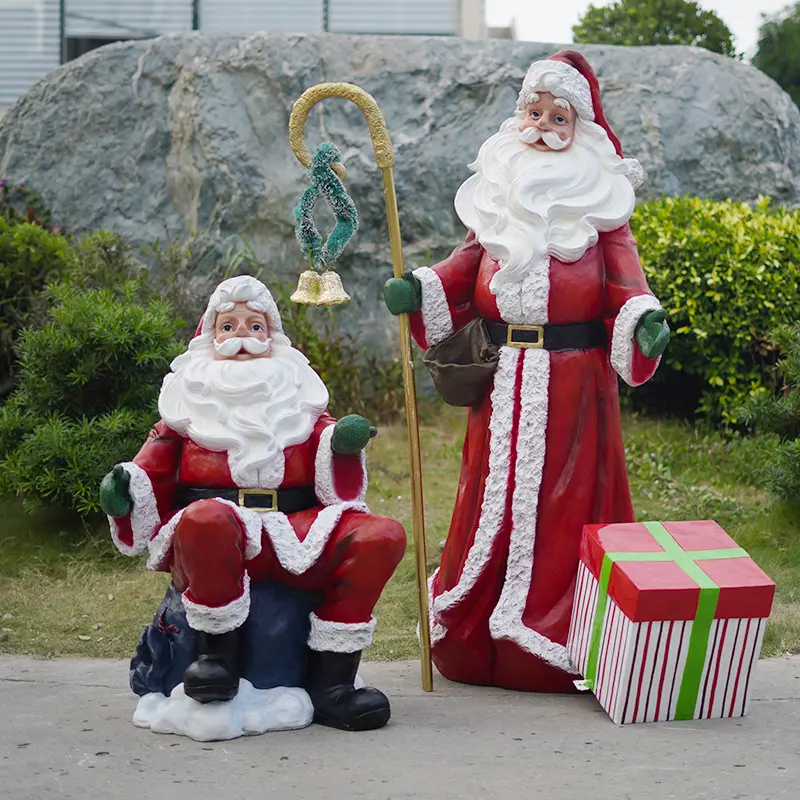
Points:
[(86, 395), (727, 273), (781, 415)]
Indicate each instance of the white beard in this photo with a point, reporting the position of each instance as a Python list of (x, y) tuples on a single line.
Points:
[(251, 409), (525, 205)]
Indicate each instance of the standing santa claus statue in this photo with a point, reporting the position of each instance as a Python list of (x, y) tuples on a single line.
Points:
[(247, 477), (551, 268)]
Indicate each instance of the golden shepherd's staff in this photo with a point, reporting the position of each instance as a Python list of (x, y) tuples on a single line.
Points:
[(384, 157)]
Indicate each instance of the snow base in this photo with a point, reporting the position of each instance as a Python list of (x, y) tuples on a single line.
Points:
[(251, 712)]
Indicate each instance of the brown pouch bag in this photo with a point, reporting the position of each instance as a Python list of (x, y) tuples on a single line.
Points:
[(463, 365)]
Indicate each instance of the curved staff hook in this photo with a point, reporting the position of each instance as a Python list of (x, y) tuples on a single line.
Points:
[(384, 157)]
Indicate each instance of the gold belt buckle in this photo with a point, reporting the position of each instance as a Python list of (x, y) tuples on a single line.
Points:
[(539, 343), (273, 493)]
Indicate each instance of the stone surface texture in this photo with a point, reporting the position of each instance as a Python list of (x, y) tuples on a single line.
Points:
[(184, 134)]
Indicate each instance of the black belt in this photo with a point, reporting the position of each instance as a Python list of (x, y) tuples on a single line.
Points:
[(286, 500), (573, 336)]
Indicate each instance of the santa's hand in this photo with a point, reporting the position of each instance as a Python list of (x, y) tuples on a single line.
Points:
[(652, 333), (403, 295), (115, 498), (351, 435)]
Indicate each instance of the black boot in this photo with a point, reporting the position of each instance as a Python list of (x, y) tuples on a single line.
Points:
[(337, 703), (215, 674)]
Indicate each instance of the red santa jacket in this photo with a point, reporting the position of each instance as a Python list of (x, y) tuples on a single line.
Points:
[(606, 283), (168, 460)]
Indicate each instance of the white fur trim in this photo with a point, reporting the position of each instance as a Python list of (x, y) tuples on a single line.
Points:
[(561, 80), (496, 488), (323, 472), (252, 531), (524, 302), (435, 310), (160, 545), (221, 619), (144, 513), (242, 288), (437, 629), (340, 637), (296, 556), (506, 619), (622, 340)]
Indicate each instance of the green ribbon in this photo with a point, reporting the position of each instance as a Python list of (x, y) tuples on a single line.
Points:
[(704, 616)]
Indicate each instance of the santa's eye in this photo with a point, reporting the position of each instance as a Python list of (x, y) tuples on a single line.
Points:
[(256, 327), (227, 328), (535, 114), (560, 120)]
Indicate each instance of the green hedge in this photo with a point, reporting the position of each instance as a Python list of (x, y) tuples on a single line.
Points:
[(781, 415), (30, 256), (86, 395), (727, 274)]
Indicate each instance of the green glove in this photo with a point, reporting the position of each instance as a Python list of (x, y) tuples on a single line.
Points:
[(403, 295), (351, 434), (652, 333), (115, 499)]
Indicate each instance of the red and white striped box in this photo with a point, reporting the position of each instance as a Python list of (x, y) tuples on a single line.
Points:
[(668, 620)]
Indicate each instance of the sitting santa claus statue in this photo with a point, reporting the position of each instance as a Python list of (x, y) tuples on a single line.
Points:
[(246, 477), (550, 269)]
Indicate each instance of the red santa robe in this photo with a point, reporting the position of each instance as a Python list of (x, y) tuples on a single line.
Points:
[(543, 456), (214, 547)]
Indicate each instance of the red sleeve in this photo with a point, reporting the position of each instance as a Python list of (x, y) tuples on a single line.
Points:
[(159, 457), (337, 478), (153, 474), (627, 299), (448, 290)]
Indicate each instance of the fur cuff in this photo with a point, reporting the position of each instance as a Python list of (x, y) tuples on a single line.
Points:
[(435, 310), (623, 344), (340, 637), (144, 517), (324, 472), (220, 619)]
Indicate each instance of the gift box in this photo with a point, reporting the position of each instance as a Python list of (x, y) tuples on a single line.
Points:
[(668, 620)]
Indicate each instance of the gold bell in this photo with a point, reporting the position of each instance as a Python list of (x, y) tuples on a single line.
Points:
[(332, 292), (308, 289)]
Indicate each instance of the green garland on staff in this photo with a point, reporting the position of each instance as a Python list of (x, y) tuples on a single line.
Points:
[(326, 183)]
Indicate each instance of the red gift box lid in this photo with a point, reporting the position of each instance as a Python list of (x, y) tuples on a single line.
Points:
[(662, 590)]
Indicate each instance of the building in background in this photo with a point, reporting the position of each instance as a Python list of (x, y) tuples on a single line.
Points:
[(38, 35)]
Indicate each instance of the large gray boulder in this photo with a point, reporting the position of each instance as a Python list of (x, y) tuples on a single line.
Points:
[(186, 134)]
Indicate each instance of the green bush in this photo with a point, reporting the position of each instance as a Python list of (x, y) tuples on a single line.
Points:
[(21, 203), (30, 257), (87, 393), (727, 273), (781, 415)]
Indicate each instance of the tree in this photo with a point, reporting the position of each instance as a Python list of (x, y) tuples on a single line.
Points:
[(644, 22), (779, 49)]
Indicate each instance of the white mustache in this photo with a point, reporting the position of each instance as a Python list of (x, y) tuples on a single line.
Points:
[(230, 347), (550, 138)]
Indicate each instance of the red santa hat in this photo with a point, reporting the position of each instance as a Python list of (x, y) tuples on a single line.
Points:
[(241, 289), (569, 75)]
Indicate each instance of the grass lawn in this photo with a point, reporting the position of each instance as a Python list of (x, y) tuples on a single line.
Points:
[(64, 592)]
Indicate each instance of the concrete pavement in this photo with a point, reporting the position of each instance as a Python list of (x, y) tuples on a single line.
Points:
[(65, 733)]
